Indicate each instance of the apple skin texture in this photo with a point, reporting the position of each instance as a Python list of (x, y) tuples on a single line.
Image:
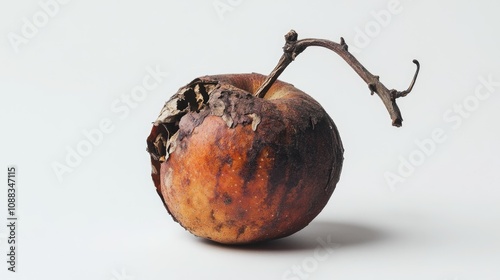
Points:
[(238, 169)]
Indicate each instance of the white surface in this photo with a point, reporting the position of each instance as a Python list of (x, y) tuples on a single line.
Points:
[(104, 219)]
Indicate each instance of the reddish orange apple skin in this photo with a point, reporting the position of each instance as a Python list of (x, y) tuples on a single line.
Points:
[(265, 173)]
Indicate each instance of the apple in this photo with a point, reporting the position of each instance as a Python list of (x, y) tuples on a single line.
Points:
[(242, 169), (243, 158)]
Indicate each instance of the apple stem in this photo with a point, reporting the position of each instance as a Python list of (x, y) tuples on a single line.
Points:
[(294, 47)]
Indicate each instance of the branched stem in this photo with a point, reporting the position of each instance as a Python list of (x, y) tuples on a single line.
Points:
[(294, 47)]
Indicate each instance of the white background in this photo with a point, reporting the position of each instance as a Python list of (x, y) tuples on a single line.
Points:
[(104, 220)]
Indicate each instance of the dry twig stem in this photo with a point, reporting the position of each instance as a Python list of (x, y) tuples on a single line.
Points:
[(294, 47)]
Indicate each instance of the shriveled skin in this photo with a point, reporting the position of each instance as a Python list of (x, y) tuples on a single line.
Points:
[(262, 170)]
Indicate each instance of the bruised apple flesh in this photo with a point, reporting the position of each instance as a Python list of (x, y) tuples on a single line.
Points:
[(242, 158)]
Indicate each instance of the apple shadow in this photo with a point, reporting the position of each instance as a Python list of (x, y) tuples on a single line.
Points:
[(317, 233)]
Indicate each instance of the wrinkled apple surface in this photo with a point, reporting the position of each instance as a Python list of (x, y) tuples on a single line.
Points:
[(235, 168)]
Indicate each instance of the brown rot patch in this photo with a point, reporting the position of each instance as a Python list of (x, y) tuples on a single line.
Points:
[(227, 199), (219, 227), (241, 230)]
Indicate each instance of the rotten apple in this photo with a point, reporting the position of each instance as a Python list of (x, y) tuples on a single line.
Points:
[(242, 158)]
